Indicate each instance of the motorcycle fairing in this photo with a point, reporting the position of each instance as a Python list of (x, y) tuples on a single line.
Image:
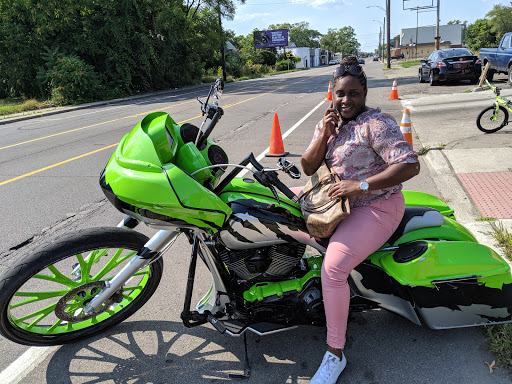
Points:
[(141, 179)]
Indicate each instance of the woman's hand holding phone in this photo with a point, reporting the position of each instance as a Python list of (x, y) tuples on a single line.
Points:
[(331, 120)]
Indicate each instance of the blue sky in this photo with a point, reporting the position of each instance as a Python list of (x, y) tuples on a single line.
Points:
[(324, 14)]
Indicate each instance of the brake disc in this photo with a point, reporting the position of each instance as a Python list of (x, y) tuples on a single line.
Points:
[(71, 306)]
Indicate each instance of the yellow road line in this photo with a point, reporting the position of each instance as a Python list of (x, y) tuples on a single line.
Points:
[(113, 145), (92, 125), (55, 165)]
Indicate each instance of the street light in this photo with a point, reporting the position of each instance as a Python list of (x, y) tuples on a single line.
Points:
[(384, 27)]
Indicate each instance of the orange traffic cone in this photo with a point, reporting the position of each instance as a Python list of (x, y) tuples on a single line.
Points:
[(329, 92), (276, 141), (405, 126), (394, 92)]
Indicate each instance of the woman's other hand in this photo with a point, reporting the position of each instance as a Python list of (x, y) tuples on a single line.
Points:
[(345, 188)]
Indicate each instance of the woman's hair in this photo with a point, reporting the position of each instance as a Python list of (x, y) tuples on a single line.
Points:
[(347, 62)]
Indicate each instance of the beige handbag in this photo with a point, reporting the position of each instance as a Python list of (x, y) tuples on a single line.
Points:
[(321, 214)]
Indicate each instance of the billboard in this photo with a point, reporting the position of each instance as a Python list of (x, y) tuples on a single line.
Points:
[(268, 39)]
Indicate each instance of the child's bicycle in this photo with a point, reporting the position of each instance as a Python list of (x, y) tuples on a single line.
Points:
[(492, 119)]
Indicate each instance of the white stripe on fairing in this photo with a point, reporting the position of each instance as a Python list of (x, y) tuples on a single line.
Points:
[(288, 132)]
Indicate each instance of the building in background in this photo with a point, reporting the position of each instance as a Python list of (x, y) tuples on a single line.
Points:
[(420, 42), (310, 57)]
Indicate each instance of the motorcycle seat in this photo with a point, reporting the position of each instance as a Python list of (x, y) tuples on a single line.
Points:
[(416, 218)]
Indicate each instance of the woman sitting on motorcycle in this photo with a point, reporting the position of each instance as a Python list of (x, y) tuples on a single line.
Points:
[(369, 153)]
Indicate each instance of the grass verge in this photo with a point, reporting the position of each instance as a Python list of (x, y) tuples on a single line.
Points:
[(500, 336), (17, 105), (408, 64)]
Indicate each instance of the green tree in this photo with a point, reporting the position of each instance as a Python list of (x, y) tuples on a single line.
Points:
[(480, 34), (341, 40), (500, 19), (133, 46)]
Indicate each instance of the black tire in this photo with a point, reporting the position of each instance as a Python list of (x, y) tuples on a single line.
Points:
[(420, 77), (431, 78), (37, 276), (484, 122), (489, 75), (510, 75)]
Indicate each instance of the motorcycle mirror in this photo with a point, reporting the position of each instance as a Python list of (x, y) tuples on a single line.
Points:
[(289, 168), (218, 87)]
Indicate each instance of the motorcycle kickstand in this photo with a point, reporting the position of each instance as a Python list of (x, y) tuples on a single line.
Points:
[(247, 368)]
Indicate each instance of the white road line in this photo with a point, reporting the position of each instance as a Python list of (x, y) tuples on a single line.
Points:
[(24, 364), (286, 134)]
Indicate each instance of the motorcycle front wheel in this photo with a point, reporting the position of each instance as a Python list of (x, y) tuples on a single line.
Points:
[(490, 121), (43, 295)]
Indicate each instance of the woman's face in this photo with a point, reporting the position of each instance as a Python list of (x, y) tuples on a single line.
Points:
[(349, 96)]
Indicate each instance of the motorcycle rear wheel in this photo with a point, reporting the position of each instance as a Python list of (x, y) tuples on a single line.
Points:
[(490, 121), (42, 295)]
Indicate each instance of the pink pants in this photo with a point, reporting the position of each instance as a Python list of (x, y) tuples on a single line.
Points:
[(364, 231)]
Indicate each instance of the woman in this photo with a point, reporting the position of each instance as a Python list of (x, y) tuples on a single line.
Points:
[(369, 153)]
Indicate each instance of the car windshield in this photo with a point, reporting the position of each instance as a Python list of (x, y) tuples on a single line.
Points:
[(456, 53)]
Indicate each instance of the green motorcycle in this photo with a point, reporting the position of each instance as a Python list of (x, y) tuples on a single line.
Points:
[(250, 233)]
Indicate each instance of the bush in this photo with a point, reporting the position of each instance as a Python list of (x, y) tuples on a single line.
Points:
[(284, 65), (68, 79)]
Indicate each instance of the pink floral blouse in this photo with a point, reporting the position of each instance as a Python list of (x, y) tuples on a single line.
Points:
[(365, 147)]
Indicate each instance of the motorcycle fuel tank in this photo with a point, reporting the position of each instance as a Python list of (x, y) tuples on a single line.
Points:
[(259, 220)]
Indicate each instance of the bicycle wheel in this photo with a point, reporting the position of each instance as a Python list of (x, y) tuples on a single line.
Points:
[(490, 121), (42, 296)]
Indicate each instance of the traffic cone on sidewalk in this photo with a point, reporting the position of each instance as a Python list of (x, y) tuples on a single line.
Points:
[(405, 126), (276, 141), (394, 91), (329, 92)]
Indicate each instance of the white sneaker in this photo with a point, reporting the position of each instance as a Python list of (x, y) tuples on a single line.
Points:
[(330, 369)]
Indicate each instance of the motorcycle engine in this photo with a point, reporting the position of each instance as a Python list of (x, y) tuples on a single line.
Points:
[(267, 263)]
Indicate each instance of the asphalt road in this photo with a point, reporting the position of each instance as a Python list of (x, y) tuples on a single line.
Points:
[(49, 185)]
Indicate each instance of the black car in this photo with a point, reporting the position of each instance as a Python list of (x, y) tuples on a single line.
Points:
[(397, 56), (450, 64)]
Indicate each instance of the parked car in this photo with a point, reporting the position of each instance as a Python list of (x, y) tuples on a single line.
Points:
[(332, 62), (500, 58), (397, 56), (450, 64), (360, 60), (376, 58)]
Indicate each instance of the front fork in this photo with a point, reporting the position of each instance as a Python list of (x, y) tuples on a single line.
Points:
[(214, 301), (153, 249)]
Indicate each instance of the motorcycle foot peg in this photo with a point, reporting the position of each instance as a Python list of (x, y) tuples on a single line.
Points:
[(216, 323)]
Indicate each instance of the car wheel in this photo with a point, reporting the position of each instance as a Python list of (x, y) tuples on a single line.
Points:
[(489, 75), (420, 77), (510, 74), (431, 78), (474, 80)]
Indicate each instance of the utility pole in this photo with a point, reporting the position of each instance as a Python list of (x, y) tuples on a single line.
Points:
[(388, 16), (381, 47), (222, 44), (437, 27)]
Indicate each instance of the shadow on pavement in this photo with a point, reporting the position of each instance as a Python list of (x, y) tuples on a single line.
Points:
[(381, 348)]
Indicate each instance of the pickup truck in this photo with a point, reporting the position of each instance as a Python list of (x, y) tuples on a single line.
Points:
[(500, 58)]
